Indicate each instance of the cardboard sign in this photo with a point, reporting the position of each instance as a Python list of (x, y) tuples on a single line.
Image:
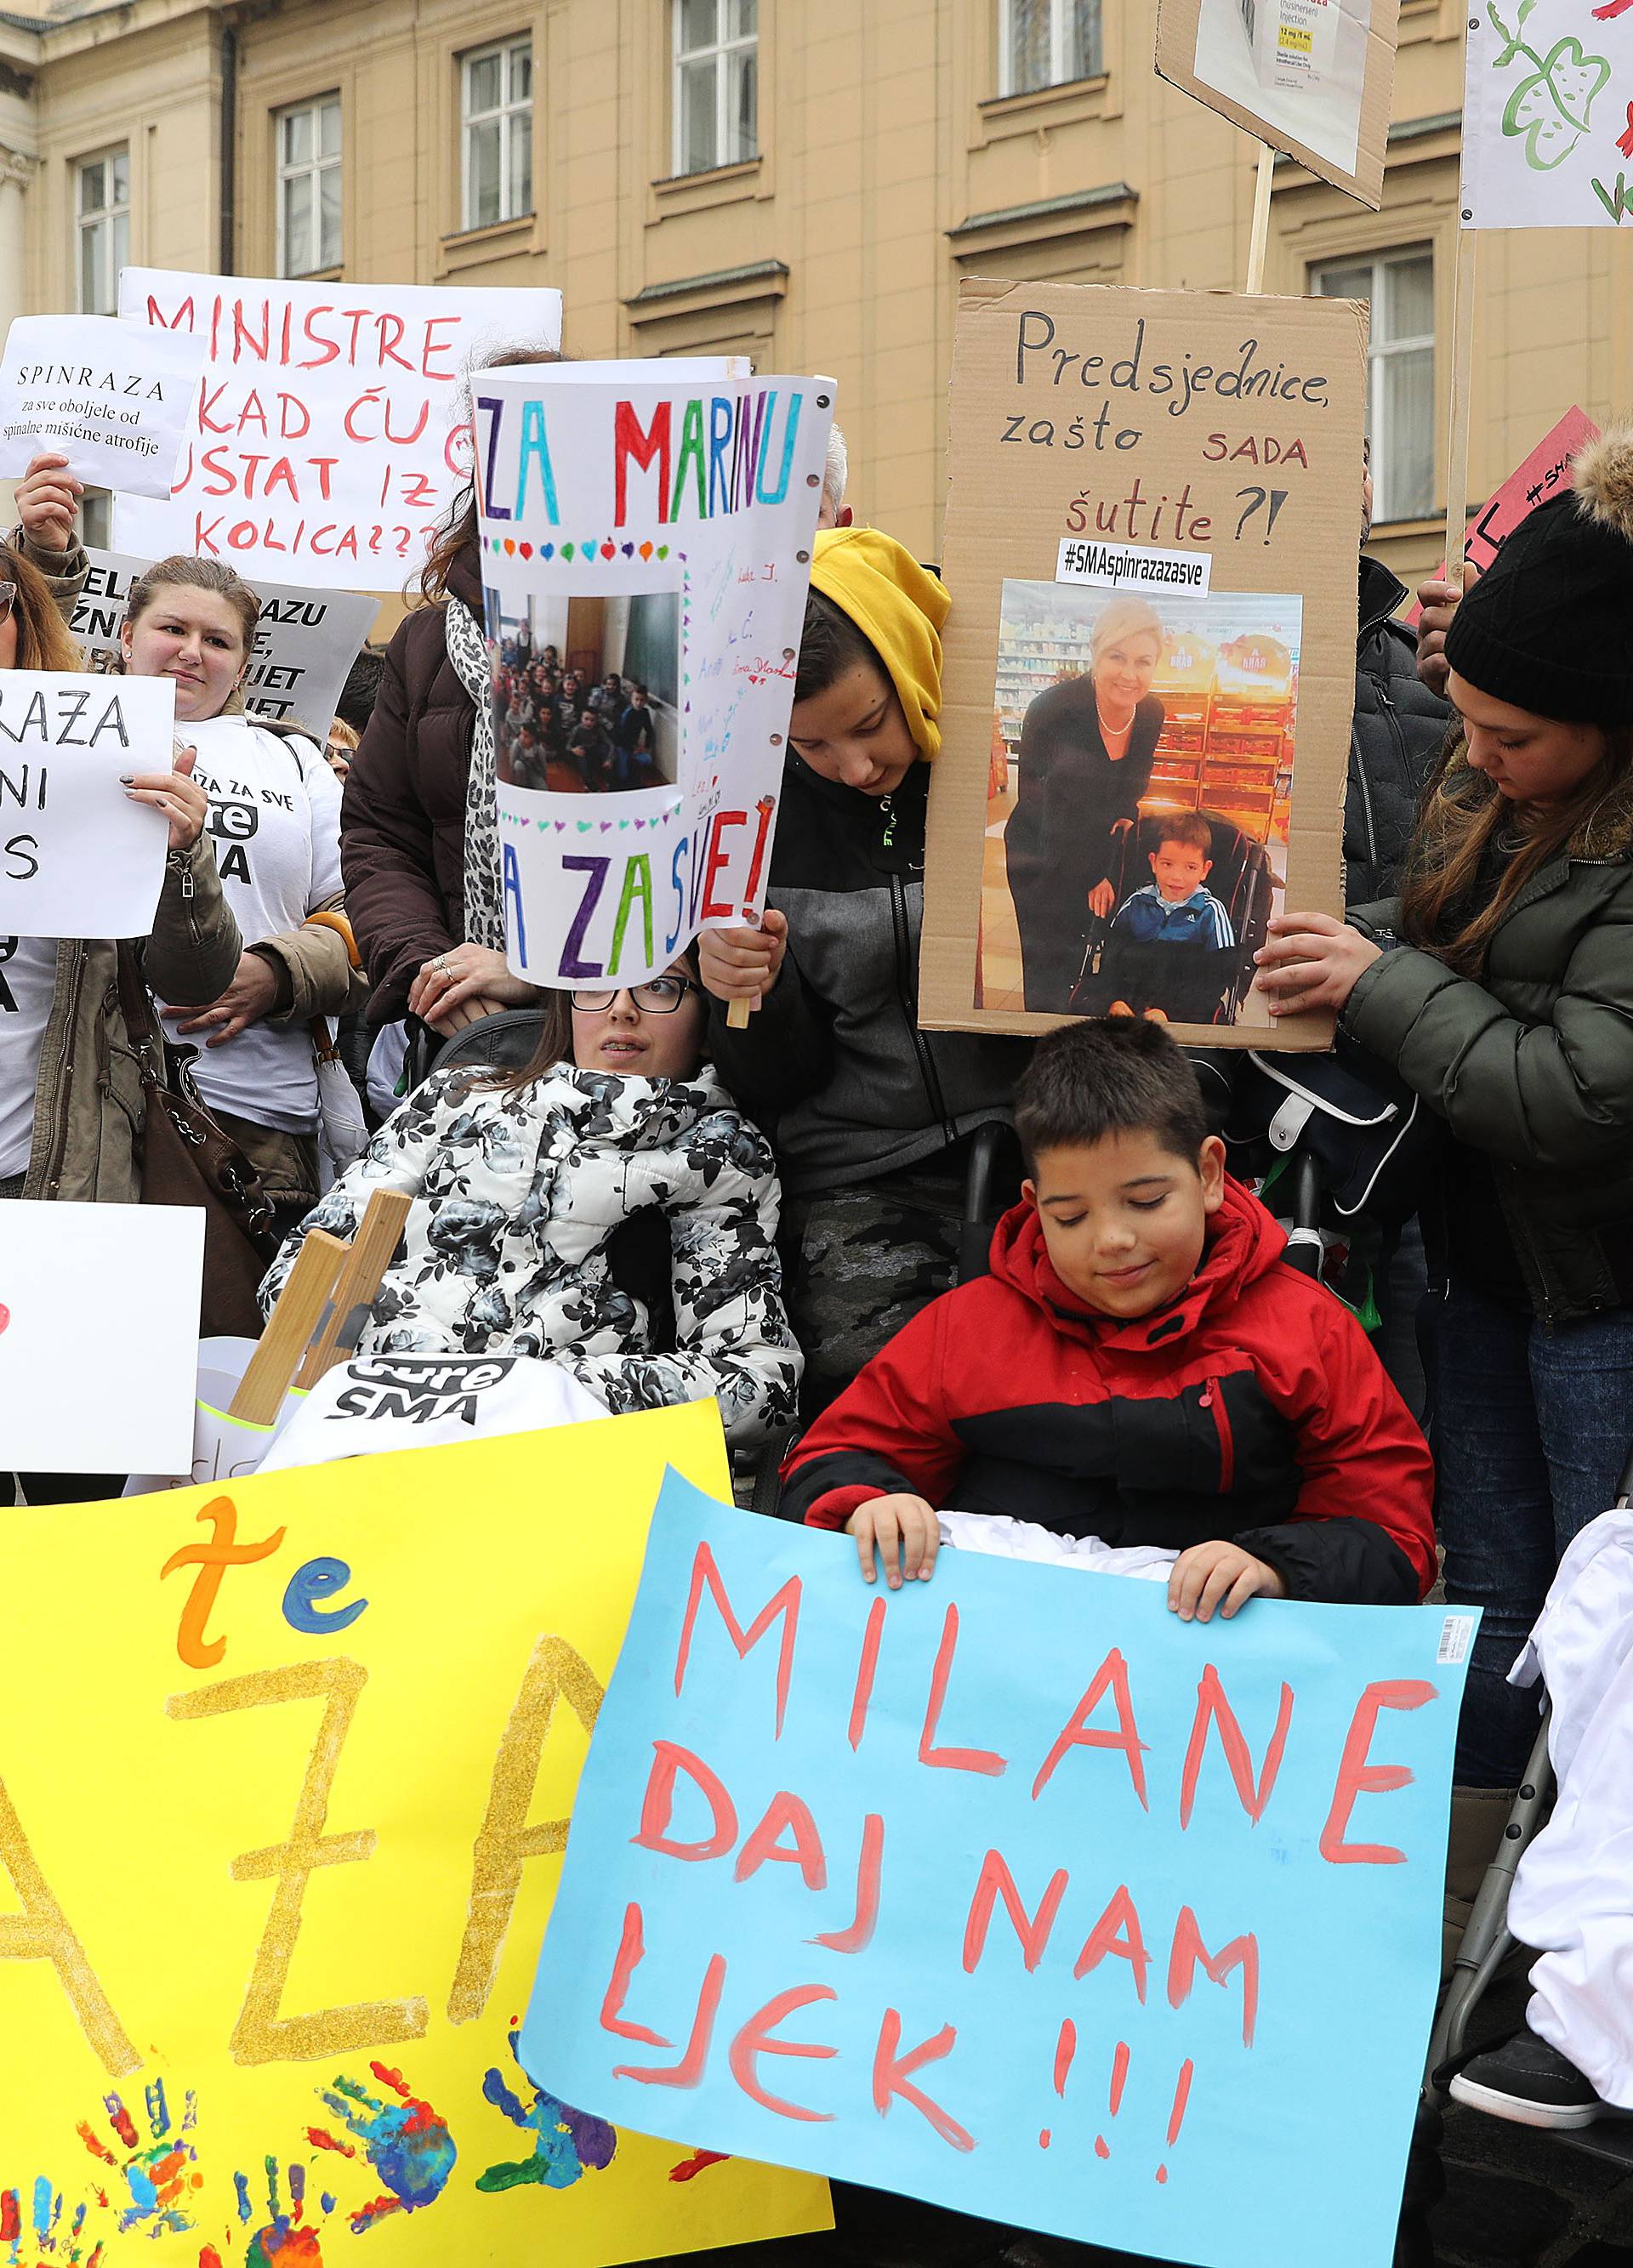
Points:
[(656, 532), (1012, 1891), (114, 398), (77, 859), (1313, 77), (304, 643), (1140, 765), (1542, 474), (99, 1330), (332, 428), (262, 2011), (1548, 116)]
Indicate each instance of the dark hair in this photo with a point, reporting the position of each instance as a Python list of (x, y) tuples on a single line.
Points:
[(1187, 827), (460, 529), (1108, 1075), (361, 690), (829, 644), (555, 1040)]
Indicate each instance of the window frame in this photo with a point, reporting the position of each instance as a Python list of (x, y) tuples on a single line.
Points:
[(105, 218), (312, 169), (1058, 76), (507, 113), (1378, 352), (719, 51)]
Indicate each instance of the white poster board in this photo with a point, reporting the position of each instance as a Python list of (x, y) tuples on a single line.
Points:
[(99, 1336), (331, 431), (305, 643), (115, 399), (655, 528), (78, 857), (1546, 117)]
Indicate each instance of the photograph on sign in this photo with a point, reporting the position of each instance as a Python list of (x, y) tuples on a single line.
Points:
[(114, 399), (1312, 78), (1153, 529), (587, 691), (1141, 800), (1547, 90), (78, 856)]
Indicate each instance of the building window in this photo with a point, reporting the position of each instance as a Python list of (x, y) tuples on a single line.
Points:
[(1046, 43), (498, 108), (716, 83), (308, 187), (102, 203), (1400, 287)]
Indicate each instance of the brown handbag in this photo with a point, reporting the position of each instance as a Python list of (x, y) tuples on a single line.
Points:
[(187, 1159)]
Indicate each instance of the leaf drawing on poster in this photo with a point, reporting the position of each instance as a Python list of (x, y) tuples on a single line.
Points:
[(1551, 108)]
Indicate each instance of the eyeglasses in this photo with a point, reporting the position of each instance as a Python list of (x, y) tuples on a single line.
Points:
[(661, 997), (8, 599)]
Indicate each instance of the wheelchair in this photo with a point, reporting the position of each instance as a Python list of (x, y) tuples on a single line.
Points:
[(1213, 981)]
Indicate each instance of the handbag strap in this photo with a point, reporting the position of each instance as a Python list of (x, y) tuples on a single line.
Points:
[(136, 1009)]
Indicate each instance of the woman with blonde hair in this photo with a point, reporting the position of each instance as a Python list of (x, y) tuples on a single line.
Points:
[(1085, 760)]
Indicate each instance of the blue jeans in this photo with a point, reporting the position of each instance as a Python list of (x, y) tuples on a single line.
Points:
[(1531, 1431)]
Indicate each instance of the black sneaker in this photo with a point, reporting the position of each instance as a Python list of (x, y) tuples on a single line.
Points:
[(1526, 2081)]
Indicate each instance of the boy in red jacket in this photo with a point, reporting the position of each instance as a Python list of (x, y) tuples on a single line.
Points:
[(1141, 1365)]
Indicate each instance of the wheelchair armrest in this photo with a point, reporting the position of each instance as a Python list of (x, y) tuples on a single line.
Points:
[(766, 1499)]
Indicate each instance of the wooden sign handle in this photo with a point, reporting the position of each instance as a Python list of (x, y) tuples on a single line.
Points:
[(1259, 236), (1457, 425), (737, 1015), (358, 1286), (309, 1284)]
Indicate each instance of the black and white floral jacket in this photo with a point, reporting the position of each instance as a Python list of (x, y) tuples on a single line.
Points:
[(517, 1193)]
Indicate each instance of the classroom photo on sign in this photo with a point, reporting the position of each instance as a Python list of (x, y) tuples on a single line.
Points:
[(587, 692), (1139, 800), (1300, 65)]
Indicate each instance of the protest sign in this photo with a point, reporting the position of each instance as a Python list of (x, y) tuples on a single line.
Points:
[(331, 430), (1548, 116), (77, 859), (114, 398), (1074, 1914), (283, 1846), (379, 1402), (305, 643), (1541, 475), (1154, 509), (653, 532), (225, 1448), (1313, 77), (98, 1329)]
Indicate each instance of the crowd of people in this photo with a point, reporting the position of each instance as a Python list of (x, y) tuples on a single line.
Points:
[(1131, 1373)]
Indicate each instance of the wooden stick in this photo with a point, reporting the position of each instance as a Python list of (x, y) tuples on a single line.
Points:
[(1260, 234), (309, 1284), (1457, 426), (737, 1015), (358, 1287)]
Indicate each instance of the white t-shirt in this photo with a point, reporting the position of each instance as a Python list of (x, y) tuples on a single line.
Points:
[(27, 980), (378, 1401), (275, 815)]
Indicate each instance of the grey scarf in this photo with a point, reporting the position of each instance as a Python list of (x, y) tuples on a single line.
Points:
[(484, 906)]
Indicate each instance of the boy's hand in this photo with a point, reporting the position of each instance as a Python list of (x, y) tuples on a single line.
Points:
[(903, 1532), (1209, 1575)]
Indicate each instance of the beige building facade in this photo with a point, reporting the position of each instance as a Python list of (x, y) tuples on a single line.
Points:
[(806, 181)]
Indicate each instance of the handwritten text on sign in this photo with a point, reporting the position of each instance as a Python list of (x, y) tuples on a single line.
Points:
[(78, 857), (1011, 1891), (272, 1873), (330, 431)]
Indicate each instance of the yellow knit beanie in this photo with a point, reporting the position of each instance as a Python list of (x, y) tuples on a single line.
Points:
[(898, 608)]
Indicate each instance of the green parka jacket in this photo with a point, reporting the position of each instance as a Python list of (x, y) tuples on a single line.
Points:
[(1533, 1063)]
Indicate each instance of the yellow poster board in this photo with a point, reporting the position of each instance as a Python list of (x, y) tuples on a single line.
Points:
[(285, 1774)]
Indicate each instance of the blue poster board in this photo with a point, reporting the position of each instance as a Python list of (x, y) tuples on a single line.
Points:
[(1011, 1891)]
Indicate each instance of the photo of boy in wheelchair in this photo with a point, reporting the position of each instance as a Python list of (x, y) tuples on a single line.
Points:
[(1194, 894)]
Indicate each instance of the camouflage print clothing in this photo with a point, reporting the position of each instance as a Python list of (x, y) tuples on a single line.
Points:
[(860, 1261)]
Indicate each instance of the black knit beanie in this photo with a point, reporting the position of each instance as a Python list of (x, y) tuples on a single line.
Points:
[(1549, 627)]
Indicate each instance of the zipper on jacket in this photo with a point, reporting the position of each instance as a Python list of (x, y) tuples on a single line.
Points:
[(1214, 1401), (907, 999)]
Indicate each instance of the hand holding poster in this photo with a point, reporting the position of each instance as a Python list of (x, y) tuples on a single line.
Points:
[(78, 857), (1548, 116), (284, 1846), (331, 430), (304, 642), (115, 399), (1151, 540), (1309, 77), (645, 548), (1073, 1913)]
